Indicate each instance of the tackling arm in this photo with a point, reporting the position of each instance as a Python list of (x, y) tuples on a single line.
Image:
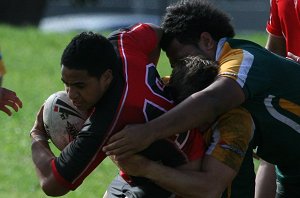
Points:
[(185, 181)]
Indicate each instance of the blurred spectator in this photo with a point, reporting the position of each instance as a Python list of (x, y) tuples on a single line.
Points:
[(8, 98), (2, 69), (284, 27)]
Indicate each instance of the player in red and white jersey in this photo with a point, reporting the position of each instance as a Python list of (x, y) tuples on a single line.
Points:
[(116, 77), (283, 27)]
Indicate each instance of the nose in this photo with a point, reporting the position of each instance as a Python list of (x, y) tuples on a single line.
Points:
[(72, 93)]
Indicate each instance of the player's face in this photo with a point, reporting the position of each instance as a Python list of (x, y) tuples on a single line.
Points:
[(177, 50), (85, 90)]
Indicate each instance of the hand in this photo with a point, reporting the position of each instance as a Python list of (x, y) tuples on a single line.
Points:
[(130, 140), (293, 57), (134, 165), (9, 98)]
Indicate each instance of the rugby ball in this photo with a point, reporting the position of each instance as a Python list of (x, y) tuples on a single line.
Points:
[(62, 120)]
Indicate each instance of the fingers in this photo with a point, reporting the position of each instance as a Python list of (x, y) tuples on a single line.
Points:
[(293, 57), (115, 137), (116, 147), (9, 98), (114, 142), (120, 149), (5, 104), (120, 153), (125, 143), (5, 110)]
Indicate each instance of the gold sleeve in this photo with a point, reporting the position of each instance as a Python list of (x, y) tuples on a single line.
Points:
[(229, 137)]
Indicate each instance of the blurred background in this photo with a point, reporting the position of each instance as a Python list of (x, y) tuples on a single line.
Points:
[(77, 15)]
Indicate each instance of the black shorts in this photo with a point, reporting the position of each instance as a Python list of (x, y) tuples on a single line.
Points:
[(119, 188)]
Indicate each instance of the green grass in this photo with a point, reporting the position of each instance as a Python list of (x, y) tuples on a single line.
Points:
[(32, 61)]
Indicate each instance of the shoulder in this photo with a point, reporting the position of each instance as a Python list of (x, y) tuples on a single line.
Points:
[(237, 122)]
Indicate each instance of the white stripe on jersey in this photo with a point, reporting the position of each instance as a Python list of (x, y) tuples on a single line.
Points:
[(278, 116)]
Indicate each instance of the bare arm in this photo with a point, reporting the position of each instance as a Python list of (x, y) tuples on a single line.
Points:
[(197, 110), (42, 157), (276, 44), (209, 183), (265, 180)]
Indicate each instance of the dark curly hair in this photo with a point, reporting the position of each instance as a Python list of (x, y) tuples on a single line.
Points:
[(190, 75), (187, 19), (89, 51)]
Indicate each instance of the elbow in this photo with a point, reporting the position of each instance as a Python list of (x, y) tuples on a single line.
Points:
[(205, 191), (213, 191), (53, 189)]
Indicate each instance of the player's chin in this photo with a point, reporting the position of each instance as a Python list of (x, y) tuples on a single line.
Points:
[(79, 105)]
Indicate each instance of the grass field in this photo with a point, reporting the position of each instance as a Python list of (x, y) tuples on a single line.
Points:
[(32, 61)]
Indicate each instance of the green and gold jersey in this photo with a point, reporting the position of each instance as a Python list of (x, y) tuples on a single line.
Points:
[(272, 89)]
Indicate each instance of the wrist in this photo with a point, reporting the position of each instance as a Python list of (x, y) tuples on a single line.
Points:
[(148, 169), (37, 135), (153, 132), (37, 138)]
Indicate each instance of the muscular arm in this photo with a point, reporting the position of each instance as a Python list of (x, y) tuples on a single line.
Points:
[(199, 109), (42, 157)]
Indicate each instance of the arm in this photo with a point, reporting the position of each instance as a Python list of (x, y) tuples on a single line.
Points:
[(42, 157), (276, 44), (197, 110), (210, 182), (265, 180), (9, 98)]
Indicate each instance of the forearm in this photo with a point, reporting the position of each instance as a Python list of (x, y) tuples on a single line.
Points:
[(199, 184), (198, 110), (276, 44), (182, 118), (41, 157)]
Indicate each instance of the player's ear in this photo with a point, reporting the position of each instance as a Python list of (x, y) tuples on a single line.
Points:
[(107, 77), (207, 41)]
